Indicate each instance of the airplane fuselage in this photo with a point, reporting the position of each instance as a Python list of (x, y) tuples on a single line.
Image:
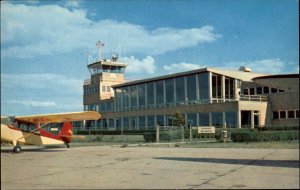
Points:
[(15, 136)]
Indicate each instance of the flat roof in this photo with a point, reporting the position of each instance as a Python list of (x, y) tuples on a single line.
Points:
[(99, 64), (241, 75), (278, 76)]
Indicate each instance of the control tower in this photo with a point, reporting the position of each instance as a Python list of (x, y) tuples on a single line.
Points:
[(104, 74)]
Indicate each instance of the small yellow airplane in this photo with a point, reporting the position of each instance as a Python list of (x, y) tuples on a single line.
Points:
[(50, 129)]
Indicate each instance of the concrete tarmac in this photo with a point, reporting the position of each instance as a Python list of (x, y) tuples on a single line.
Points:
[(106, 167)]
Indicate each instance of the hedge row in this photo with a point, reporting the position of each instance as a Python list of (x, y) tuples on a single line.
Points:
[(163, 135), (278, 128), (243, 136)]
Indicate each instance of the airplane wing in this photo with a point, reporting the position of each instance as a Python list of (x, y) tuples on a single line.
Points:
[(60, 117)]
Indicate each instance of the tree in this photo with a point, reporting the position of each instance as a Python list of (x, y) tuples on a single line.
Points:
[(178, 119)]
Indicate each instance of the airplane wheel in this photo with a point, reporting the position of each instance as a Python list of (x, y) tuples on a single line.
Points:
[(17, 149)]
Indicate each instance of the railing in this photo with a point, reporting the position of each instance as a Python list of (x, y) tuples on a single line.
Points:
[(256, 98)]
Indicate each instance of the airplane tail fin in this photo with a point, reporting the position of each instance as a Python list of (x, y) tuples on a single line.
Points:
[(66, 132)]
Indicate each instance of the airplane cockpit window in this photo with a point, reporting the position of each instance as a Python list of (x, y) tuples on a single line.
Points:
[(53, 128), (26, 127)]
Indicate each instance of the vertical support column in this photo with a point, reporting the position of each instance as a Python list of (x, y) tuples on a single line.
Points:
[(252, 119), (236, 94), (223, 87), (185, 89), (210, 87), (174, 83), (164, 93), (197, 87), (239, 120), (154, 89)]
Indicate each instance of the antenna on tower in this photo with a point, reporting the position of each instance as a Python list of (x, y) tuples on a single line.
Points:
[(99, 45)]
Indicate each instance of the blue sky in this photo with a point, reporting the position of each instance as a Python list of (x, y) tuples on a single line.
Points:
[(44, 44)]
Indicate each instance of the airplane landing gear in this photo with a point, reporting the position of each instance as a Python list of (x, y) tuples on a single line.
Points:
[(17, 149)]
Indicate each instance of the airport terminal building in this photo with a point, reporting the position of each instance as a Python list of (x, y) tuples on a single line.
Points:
[(206, 97)]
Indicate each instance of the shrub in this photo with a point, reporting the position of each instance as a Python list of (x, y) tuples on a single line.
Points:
[(252, 136), (149, 136)]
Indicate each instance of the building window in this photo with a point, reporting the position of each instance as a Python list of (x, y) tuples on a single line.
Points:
[(142, 122), (150, 93), (159, 92), (217, 118), (125, 98), (133, 96), (118, 123), (150, 121), (180, 90), (111, 123), (266, 90), (274, 90), (297, 113), (229, 88), (169, 91), (216, 86), (133, 123), (103, 88), (191, 87), (291, 114), (191, 119), (203, 119), (275, 115), (108, 89), (142, 95), (231, 119), (160, 120), (258, 90), (203, 86), (252, 91), (125, 123), (282, 114), (246, 91)]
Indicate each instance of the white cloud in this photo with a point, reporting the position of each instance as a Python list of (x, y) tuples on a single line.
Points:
[(43, 82), (28, 31), (272, 66), (147, 65), (180, 67), (31, 103)]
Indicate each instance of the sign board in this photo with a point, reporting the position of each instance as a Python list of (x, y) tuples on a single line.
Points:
[(54, 129), (206, 129)]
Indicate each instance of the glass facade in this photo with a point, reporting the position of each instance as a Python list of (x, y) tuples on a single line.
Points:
[(197, 88)]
